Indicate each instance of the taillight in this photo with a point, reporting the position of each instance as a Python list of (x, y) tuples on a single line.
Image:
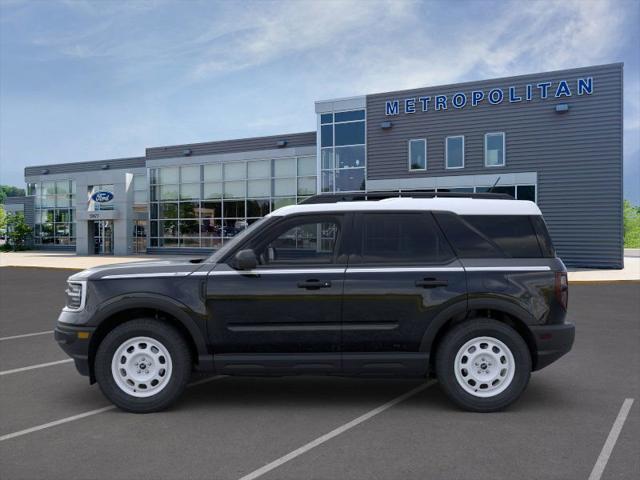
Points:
[(562, 289)]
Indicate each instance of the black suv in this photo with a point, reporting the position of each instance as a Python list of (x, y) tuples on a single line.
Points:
[(466, 289)]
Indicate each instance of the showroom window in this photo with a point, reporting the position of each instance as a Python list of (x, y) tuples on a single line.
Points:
[(140, 189), (519, 192), (54, 222), (494, 150), (454, 152), (343, 151), (203, 205), (418, 154)]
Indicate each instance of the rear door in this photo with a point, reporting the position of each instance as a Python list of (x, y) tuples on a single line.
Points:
[(401, 274)]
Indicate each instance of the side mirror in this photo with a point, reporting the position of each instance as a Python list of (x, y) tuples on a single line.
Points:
[(245, 260)]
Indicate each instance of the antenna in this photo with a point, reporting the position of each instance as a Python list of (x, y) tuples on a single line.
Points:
[(494, 185)]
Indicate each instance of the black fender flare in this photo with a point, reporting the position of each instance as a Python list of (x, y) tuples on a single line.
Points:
[(453, 310), (504, 304), (462, 307), (153, 301)]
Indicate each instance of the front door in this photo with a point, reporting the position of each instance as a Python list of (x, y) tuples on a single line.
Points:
[(103, 237), (290, 304), (401, 275)]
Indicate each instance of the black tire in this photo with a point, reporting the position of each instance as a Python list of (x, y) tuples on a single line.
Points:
[(180, 357), (456, 338)]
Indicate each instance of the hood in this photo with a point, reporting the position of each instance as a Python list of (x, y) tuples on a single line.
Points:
[(168, 268)]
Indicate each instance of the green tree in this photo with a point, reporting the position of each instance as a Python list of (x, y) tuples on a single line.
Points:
[(10, 191), (3, 219), (17, 231), (631, 225)]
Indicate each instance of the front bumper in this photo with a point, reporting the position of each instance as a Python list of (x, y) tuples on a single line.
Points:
[(75, 343), (552, 342)]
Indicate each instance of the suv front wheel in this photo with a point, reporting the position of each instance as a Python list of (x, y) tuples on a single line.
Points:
[(483, 365), (143, 365)]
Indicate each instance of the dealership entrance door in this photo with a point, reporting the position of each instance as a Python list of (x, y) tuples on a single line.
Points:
[(102, 237)]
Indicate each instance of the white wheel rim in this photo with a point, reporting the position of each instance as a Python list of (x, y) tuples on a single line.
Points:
[(141, 367), (484, 367)]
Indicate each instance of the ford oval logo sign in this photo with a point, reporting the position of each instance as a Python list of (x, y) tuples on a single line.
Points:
[(102, 197)]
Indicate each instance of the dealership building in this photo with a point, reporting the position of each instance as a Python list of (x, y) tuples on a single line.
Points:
[(554, 138)]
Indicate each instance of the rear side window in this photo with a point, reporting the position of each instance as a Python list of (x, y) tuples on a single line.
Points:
[(513, 234), (402, 238), (491, 236), (543, 237), (467, 242)]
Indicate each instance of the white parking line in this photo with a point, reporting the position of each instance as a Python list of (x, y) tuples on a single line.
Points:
[(601, 463), (90, 413), (24, 335), (32, 367), (334, 433), (56, 422)]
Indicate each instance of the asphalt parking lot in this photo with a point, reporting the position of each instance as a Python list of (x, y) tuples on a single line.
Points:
[(319, 428)]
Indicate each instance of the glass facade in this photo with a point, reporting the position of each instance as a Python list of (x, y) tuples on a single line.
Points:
[(202, 205), (519, 192), (343, 151), (54, 212), (140, 209)]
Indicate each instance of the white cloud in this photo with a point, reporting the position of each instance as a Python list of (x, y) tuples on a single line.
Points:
[(149, 53), (271, 31)]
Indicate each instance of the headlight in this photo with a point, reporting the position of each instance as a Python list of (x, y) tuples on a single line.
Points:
[(76, 292)]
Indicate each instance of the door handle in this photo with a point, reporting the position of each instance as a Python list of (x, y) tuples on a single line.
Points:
[(314, 284), (431, 283)]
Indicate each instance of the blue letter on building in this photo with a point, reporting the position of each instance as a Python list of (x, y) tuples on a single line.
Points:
[(512, 95), (476, 97), (391, 107), (410, 105), (441, 102), (425, 103), (563, 89), (544, 86), (529, 94), (496, 96), (459, 100), (585, 85)]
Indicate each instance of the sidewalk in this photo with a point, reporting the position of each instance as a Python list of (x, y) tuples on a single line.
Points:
[(630, 272), (48, 259)]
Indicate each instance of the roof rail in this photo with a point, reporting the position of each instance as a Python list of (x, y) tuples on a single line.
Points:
[(372, 196)]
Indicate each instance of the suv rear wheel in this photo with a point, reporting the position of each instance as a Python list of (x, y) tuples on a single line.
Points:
[(483, 365), (143, 365)]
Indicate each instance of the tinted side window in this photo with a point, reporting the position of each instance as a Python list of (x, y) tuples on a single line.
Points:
[(513, 234), (543, 236), (398, 238), (307, 241), (467, 241)]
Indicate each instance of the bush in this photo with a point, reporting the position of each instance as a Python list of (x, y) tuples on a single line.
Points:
[(631, 225), (17, 231)]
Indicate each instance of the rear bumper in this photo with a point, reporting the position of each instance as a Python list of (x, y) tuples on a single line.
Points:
[(552, 342), (74, 345)]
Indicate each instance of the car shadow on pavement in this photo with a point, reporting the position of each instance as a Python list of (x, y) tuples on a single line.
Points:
[(327, 392)]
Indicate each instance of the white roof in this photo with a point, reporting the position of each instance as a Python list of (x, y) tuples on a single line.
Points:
[(461, 206)]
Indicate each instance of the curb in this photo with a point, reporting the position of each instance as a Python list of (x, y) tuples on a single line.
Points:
[(603, 282)]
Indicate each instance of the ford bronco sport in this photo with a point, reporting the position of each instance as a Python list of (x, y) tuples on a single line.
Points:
[(468, 290)]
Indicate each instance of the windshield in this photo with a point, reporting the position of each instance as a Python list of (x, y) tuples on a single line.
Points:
[(231, 244)]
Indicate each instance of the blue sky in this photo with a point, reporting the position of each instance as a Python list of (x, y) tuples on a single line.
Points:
[(87, 80)]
